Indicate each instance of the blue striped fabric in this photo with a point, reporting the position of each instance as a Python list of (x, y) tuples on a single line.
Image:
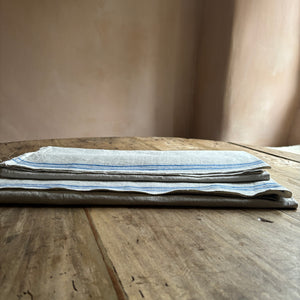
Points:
[(248, 189), (181, 164), (86, 173), (96, 167), (136, 162)]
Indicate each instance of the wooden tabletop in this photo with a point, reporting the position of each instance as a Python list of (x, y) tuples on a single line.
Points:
[(151, 253)]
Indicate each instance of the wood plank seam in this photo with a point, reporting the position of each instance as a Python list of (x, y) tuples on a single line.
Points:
[(117, 284), (265, 152)]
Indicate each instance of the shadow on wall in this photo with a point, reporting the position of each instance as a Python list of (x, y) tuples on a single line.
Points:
[(293, 116), (248, 71), (291, 121), (263, 72), (213, 62), (211, 69), (177, 40)]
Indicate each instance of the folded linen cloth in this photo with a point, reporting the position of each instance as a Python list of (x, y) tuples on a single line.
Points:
[(138, 165), (142, 177), (247, 189), (53, 175)]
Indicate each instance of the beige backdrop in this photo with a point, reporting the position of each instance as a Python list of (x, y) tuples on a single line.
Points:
[(198, 68)]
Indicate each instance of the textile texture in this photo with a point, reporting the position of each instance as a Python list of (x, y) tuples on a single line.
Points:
[(57, 175)]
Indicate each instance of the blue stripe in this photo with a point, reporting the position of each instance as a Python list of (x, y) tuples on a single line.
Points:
[(145, 188), (137, 167)]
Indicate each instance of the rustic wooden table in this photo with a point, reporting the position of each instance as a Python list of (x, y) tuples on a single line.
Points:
[(151, 253)]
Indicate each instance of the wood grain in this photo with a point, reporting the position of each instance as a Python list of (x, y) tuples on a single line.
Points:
[(49, 253), (151, 253), (201, 253)]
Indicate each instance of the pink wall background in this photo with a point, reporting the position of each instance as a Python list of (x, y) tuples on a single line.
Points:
[(226, 70)]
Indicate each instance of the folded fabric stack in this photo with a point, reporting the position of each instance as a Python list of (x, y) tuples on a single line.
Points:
[(56, 175)]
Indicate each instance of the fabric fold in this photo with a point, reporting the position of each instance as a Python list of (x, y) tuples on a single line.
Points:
[(78, 160), (86, 176), (161, 176)]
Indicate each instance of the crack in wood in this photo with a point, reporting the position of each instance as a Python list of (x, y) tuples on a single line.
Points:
[(141, 294), (117, 284), (74, 287), (264, 220), (29, 293)]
